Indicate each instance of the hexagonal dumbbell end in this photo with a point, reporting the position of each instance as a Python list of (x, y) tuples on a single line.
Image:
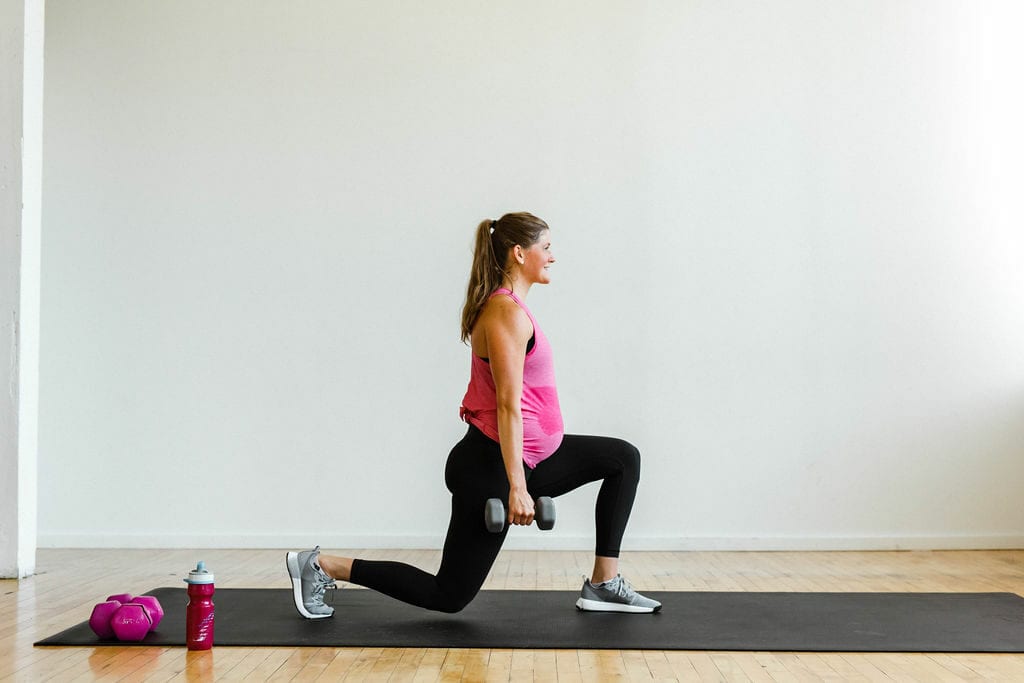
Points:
[(99, 622), (131, 622), (494, 515), (122, 598), (545, 516), (156, 612)]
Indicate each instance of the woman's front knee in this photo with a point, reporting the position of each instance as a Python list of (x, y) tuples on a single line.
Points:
[(451, 603), (630, 458)]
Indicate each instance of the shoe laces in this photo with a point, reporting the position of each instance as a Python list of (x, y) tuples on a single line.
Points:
[(621, 587), (321, 582), (618, 585)]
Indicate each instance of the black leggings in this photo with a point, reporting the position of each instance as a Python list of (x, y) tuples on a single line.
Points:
[(476, 472)]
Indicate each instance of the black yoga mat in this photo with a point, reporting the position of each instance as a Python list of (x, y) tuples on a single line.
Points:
[(814, 622)]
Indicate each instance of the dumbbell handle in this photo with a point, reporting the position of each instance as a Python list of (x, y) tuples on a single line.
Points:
[(495, 517)]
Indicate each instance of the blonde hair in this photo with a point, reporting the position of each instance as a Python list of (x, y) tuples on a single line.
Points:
[(494, 241)]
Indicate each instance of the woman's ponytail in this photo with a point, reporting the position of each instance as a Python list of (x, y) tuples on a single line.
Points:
[(485, 277)]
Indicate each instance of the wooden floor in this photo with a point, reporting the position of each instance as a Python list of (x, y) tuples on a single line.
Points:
[(69, 582)]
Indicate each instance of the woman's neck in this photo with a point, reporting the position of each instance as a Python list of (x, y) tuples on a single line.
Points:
[(519, 286)]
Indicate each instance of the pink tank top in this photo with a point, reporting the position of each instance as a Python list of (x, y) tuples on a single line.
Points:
[(542, 416)]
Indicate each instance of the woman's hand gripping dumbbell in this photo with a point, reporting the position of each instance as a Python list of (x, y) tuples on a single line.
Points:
[(495, 517)]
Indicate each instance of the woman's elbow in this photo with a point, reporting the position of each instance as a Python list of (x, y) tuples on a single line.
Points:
[(509, 410)]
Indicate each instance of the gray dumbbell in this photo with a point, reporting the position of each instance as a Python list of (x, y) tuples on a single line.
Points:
[(495, 517)]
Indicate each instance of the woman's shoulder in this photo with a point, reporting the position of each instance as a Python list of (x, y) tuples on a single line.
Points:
[(503, 311)]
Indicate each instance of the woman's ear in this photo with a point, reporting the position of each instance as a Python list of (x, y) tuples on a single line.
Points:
[(519, 254)]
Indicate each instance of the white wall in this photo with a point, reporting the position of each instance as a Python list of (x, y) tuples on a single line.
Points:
[(21, 151), (790, 264)]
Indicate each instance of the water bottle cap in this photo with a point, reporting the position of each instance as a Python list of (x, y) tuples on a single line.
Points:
[(199, 574)]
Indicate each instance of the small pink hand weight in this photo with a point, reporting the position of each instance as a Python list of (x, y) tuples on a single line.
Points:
[(125, 617)]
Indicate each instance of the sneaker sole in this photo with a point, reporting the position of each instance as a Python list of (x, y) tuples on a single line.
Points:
[(292, 560), (585, 605)]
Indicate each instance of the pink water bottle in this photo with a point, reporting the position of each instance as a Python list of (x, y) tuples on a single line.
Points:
[(199, 613)]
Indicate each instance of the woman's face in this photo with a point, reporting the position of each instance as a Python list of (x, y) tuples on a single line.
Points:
[(538, 258)]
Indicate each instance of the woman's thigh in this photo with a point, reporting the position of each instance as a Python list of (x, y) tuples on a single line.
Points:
[(580, 460)]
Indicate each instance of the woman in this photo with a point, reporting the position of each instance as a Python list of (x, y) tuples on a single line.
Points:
[(514, 449)]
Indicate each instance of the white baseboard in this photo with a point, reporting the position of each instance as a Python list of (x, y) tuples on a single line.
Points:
[(534, 541)]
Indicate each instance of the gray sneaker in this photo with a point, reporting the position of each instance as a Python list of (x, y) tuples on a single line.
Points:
[(309, 583), (615, 595)]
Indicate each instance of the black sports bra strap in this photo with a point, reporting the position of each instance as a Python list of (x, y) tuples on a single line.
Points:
[(529, 346)]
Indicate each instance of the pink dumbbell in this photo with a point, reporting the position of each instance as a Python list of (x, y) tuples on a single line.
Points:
[(128, 620), (156, 612), (99, 622), (131, 622)]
